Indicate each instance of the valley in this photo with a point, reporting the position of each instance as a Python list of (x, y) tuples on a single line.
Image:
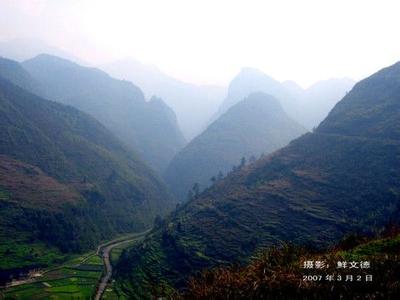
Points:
[(199, 150), (82, 276)]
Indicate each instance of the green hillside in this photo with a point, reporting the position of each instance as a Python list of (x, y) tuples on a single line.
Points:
[(342, 178), (65, 180), (254, 126), (279, 272), (148, 127)]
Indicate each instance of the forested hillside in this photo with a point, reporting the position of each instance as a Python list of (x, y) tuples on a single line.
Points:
[(342, 178), (65, 180), (256, 125)]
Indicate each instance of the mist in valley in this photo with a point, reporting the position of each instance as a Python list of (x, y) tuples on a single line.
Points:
[(180, 149)]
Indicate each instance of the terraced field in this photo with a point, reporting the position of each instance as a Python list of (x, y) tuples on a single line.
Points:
[(77, 279)]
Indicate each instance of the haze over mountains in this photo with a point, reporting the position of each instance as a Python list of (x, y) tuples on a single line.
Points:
[(254, 126), (341, 178), (193, 104), (307, 106), (149, 127), (65, 180), (103, 159), (21, 49), (199, 149), (197, 106)]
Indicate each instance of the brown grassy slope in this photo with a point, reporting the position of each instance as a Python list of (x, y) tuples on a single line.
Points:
[(27, 185)]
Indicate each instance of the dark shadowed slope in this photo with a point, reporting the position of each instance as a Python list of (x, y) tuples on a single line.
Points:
[(253, 126), (65, 179), (343, 177), (148, 127)]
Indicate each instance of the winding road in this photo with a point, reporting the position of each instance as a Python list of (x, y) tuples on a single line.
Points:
[(105, 250)]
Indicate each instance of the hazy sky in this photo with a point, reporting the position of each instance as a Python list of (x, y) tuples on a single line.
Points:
[(208, 41)]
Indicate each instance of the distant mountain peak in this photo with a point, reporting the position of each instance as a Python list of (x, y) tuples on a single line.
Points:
[(15, 73), (148, 127), (257, 124), (370, 108), (193, 104), (253, 73), (340, 179), (261, 100), (23, 49)]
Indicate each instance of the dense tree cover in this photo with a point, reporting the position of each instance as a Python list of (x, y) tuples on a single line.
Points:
[(344, 177), (65, 179)]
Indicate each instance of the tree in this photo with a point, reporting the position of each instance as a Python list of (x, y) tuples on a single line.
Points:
[(252, 159), (242, 162), (158, 221), (220, 175), (190, 195), (196, 189), (213, 179), (179, 226)]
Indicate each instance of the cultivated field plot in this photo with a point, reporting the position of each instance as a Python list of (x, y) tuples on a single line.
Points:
[(77, 279)]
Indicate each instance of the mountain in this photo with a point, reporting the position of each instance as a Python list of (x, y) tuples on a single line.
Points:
[(193, 104), (14, 72), (319, 99), (254, 126), (344, 177), (148, 127), (276, 272), (250, 80), (23, 49), (307, 106), (65, 181)]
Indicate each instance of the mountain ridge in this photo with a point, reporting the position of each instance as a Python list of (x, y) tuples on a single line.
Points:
[(320, 187), (193, 104), (308, 106), (73, 183), (254, 126), (119, 105)]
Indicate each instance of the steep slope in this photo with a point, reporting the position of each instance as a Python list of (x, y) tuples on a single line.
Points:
[(193, 104), (279, 273), (65, 180), (253, 126), (319, 99), (307, 106), (119, 105), (344, 177), (250, 80), (21, 49), (14, 72)]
